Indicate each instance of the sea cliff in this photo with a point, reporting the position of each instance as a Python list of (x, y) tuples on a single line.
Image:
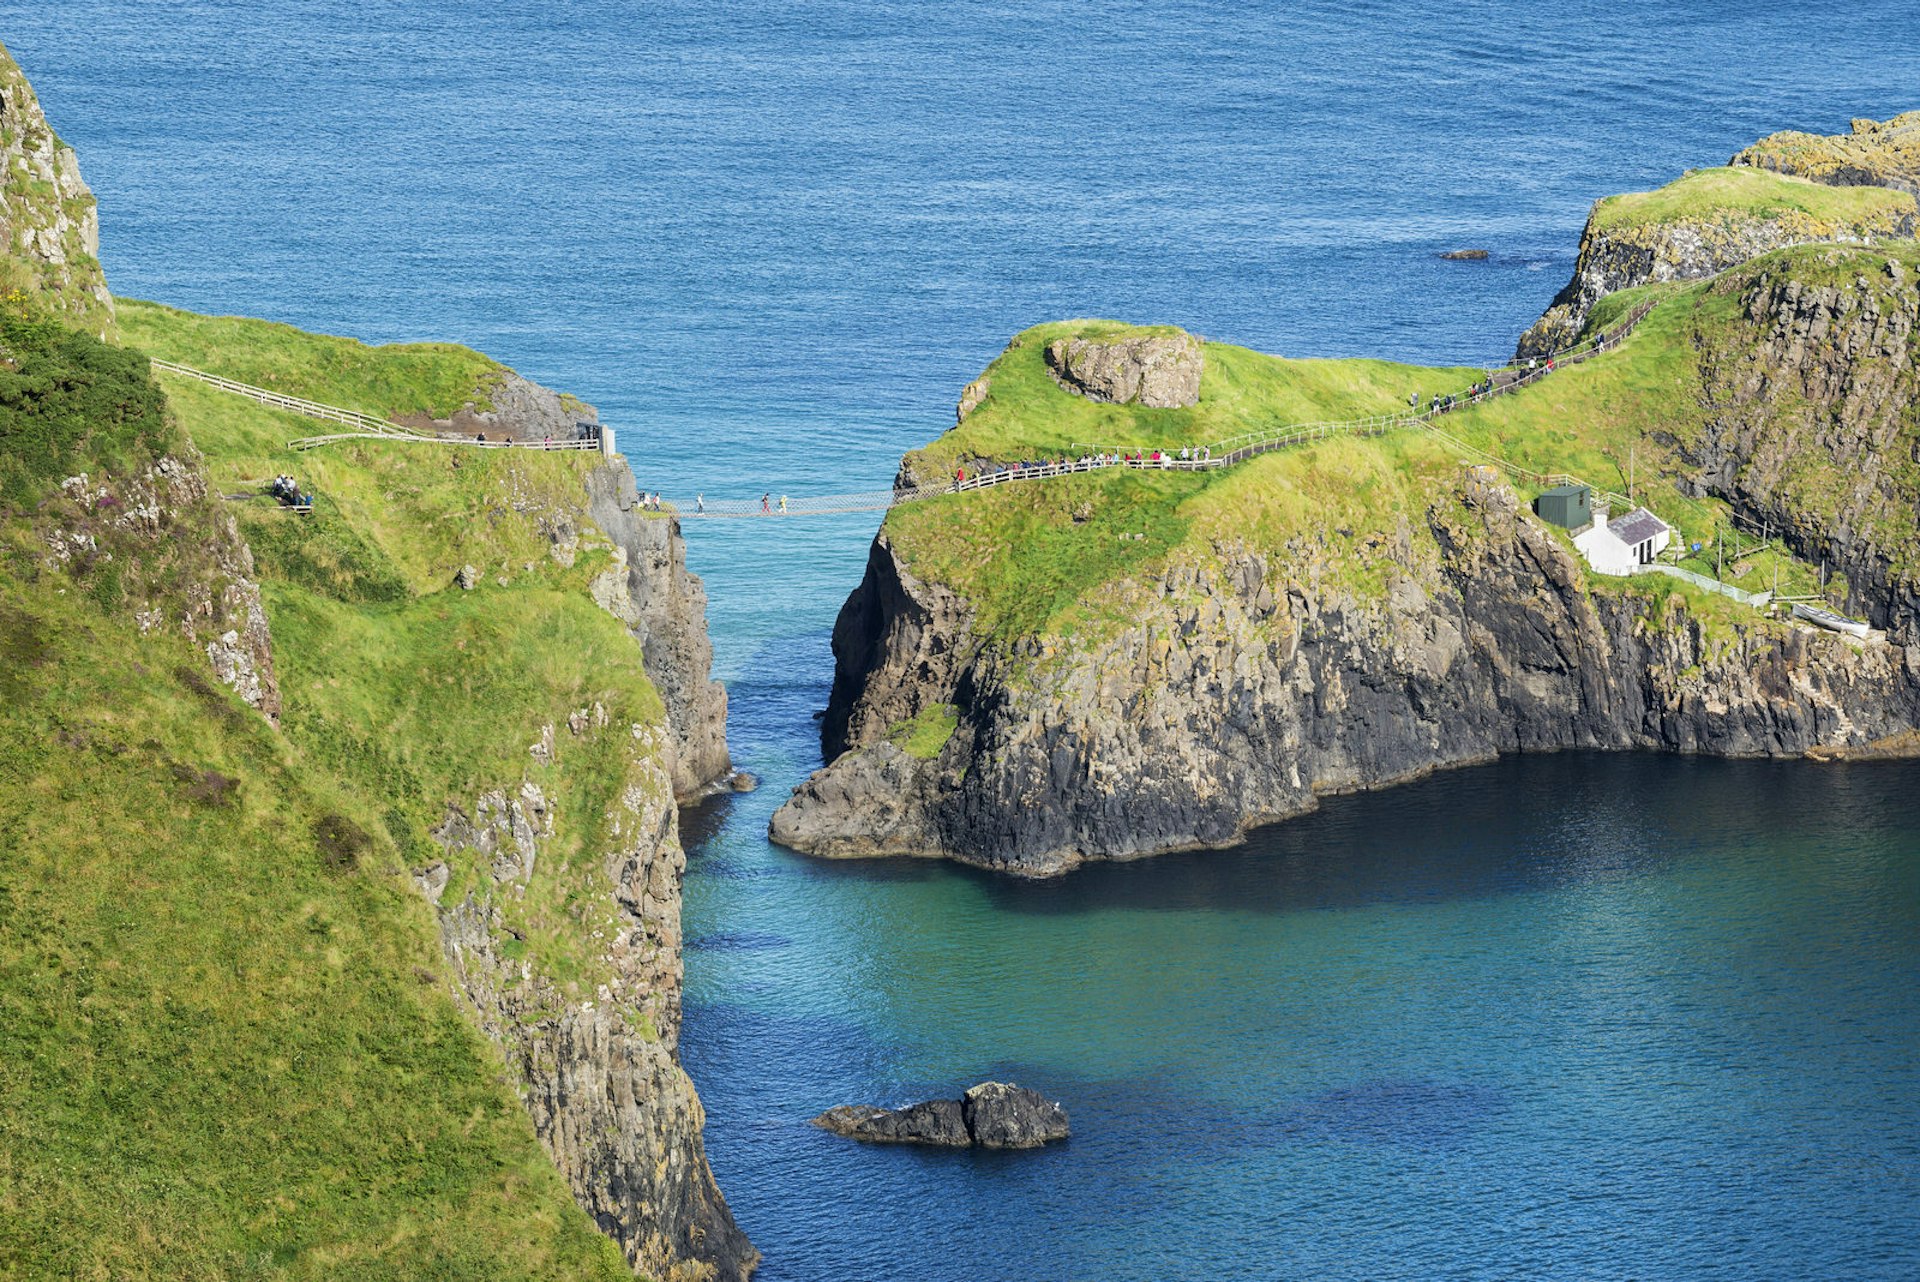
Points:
[(1350, 614), (345, 910)]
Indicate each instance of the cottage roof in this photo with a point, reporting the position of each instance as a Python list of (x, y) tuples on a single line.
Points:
[(1636, 526)]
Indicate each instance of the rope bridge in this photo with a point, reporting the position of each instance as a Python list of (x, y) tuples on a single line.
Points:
[(1500, 381)]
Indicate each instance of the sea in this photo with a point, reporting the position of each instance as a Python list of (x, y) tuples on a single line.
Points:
[(1581, 1017)]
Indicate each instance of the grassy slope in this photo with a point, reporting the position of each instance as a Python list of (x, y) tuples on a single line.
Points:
[(412, 690), (1027, 414), (397, 379), (1056, 557), (221, 1055), (1745, 194), (1748, 194)]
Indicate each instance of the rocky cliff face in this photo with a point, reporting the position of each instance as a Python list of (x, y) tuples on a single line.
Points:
[(1614, 258), (514, 407), (1247, 689), (1809, 421), (601, 1078), (1250, 682), (665, 607), (47, 214), (1161, 370), (1875, 153)]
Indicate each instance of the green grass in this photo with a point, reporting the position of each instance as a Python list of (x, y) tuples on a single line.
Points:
[(390, 381), (1745, 194), (393, 519), (1028, 415), (222, 1055), (1051, 559), (228, 1044), (926, 733)]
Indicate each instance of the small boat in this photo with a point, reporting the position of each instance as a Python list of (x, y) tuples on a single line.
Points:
[(1829, 620)]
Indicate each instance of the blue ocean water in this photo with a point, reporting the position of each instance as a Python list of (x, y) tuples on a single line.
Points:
[(1569, 1017)]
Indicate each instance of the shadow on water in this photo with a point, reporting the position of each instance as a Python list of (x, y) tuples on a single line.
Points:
[(1523, 824)]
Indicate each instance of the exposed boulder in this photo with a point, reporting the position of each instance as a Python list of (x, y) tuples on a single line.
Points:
[(990, 1115), (1158, 369), (1465, 256), (970, 398), (1001, 1115), (515, 407)]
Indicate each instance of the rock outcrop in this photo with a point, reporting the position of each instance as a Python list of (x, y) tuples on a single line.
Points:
[(600, 1078), (514, 407), (1808, 422), (47, 214), (1248, 682), (1614, 257), (1876, 153), (971, 397), (664, 605), (1157, 369), (990, 1115)]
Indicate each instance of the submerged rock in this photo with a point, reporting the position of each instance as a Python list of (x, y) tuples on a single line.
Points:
[(991, 1115)]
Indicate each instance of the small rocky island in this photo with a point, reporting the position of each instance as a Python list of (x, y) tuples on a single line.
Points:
[(990, 1115)]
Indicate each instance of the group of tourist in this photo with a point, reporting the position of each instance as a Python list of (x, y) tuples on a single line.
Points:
[(287, 491), (650, 502), (1086, 462)]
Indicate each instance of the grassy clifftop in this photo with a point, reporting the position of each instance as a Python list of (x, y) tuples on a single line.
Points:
[(228, 1045), (1056, 557), (1028, 414), (1745, 195), (388, 382)]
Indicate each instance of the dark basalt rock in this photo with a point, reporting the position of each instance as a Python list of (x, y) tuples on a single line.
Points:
[(991, 1115), (1465, 255), (1000, 1115)]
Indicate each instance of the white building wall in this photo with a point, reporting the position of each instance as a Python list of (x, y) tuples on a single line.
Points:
[(1604, 551)]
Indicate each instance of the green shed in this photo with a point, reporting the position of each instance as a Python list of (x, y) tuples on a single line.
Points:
[(1567, 505)]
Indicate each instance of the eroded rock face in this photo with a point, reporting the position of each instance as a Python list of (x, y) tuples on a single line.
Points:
[(1623, 258), (600, 1078), (1240, 695), (1810, 429), (990, 1115), (1159, 370), (50, 222), (1876, 153), (516, 407), (665, 607), (1248, 683)]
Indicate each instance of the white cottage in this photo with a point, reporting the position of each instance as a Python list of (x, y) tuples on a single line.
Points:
[(1617, 546)]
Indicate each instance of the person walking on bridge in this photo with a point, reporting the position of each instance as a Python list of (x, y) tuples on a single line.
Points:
[(783, 505), (700, 503), (765, 499)]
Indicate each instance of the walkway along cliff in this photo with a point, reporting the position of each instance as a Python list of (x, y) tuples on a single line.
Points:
[(346, 924), (1264, 647)]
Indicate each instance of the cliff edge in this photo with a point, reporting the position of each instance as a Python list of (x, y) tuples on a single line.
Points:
[(1125, 662), (343, 905)]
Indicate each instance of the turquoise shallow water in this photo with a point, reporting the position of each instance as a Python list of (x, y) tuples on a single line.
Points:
[(1562, 1018)]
